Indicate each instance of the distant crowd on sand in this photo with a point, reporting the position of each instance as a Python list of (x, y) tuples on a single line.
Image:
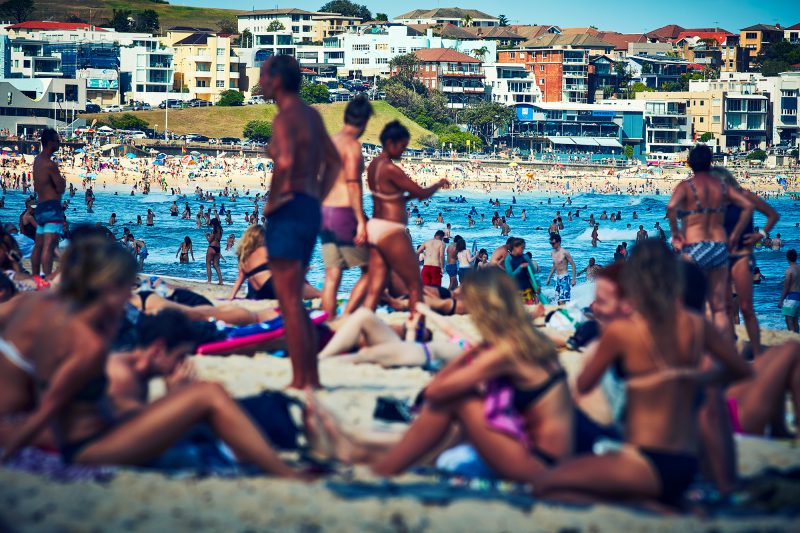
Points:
[(654, 408)]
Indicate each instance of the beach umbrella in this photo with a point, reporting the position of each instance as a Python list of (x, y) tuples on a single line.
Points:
[(153, 151), (191, 175), (513, 164), (7, 149), (427, 160), (105, 128), (80, 151), (194, 152), (159, 162), (130, 155)]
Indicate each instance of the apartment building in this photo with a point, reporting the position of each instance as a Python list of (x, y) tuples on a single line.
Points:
[(754, 38), (368, 53), (668, 129), (735, 58), (597, 131), (206, 64), (561, 75), (654, 71), (784, 92), (511, 84), (297, 23), (330, 24), (146, 71), (737, 121), (792, 34), (448, 15), (458, 76)]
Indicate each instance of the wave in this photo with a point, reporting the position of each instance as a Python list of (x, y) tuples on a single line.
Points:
[(608, 234)]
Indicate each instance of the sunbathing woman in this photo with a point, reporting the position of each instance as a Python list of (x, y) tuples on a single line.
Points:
[(254, 268), (700, 202), (658, 348), (516, 439), (390, 245), (60, 341), (385, 345), (742, 262)]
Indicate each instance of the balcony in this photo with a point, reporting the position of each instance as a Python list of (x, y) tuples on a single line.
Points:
[(201, 73), (467, 90), (461, 74)]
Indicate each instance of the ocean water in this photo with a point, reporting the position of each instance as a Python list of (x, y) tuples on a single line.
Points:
[(165, 237)]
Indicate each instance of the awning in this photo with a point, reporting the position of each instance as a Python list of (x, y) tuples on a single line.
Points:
[(608, 141), (584, 141), (561, 140)]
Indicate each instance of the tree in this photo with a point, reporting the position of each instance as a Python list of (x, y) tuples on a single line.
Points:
[(404, 67), (147, 21), (128, 121), (314, 93), (246, 39), (74, 18), (258, 130), (481, 52), (429, 141), (773, 67), (639, 87), (778, 57), (466, 21), (256, 90), (121, 20), (707, 136), (230, 97), (485, 117), (19, 10), (348, 9), (628, 151), (503, 20), (276, 25), (757, 155), (461, 140), (381, 17), (228, 25)]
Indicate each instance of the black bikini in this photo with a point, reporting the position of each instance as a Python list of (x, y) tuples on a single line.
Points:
[(266, 291), (524, 398), (93, 392)]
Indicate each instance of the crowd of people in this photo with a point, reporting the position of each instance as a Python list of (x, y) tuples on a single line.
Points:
[(661, 391)]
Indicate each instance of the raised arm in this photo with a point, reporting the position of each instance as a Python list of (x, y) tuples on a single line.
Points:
[(400, 180), (765, 209)]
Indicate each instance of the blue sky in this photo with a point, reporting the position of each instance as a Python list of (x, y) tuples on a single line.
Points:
[(628, 16)]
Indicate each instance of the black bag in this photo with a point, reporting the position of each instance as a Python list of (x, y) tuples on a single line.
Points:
[(270, 411)]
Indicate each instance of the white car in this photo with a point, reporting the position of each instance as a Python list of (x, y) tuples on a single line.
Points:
[(113, 108), (254, 100)]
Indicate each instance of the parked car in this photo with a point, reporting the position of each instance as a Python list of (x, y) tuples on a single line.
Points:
[(255, 100), (196, 138), (113, 108), (142, 106), (229, 140), (93, 108), (172, 103), (198, 102)]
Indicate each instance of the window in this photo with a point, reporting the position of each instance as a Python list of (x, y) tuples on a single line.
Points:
[(541, 68), (702, 103), (295, 29), (751, 35), (382, 47), (541, 81), (716, 102), (381, 60), (512, 55), (402, 50), (220, 67), (715, 119), (306, 29), (701, 120), (220, 51), (360, 47), (361, 61), (232, 84)]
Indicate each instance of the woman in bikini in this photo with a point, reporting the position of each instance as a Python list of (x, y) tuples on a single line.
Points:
[(254, 268), (742, 261), (60, 343), (700, 202), (508, 395), (214, 252), (185, 250), (657, 349), (390, 245)]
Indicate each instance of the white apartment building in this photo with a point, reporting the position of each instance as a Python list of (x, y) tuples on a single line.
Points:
[(668, 129), (369, 54), (146, 71), (785, 98), (448, 15), (511, 84), (297, 23)]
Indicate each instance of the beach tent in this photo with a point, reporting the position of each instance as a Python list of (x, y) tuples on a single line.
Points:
[(7, 149), (159, 162), (194, 152), (259, 166), (105, 128), (130, 155)]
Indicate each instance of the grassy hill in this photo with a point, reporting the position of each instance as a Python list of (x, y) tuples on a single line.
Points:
[(230, 121), (99, 11)]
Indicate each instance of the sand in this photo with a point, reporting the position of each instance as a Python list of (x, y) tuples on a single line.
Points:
[(144, 501)]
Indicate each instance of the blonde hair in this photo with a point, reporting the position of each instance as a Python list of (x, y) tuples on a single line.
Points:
[(92, 266), (725, 176), (494, 302), (253, 238)]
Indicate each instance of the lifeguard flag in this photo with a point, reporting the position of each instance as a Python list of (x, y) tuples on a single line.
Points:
[(183, 149)]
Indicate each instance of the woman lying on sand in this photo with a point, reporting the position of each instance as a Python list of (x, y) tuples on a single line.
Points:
[(385, 345), (518, 438), (59, 342), (658, 348)]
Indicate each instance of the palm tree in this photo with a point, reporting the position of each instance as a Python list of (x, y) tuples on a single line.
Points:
[(502, 20), (481, 52), (466, 21)]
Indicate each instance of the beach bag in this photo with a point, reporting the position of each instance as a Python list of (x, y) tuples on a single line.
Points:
[(271, 413)]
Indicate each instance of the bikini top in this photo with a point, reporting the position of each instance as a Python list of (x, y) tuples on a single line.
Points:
[(524, 398), (700, 210), (263, 267), (386, 197), (663, 372)]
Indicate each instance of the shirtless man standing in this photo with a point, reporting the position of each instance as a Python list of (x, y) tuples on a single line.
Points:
[(641, 235), (306, 164), (562, 259), (49, 215), (790, 296), (433, 261), (344, 224), (451, 264), (498, 258)]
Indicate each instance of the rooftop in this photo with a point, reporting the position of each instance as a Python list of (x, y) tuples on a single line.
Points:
[(670, 31), (549, 40), (189, 29), (48, 25), (718, 35), (277, 11), (195, 38), (494, 32), (434, 55), (530, 32), (448, 30), (445, 13), (620, 41), (762, 27)]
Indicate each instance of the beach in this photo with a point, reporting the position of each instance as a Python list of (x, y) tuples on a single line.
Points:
[(137, 500)]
